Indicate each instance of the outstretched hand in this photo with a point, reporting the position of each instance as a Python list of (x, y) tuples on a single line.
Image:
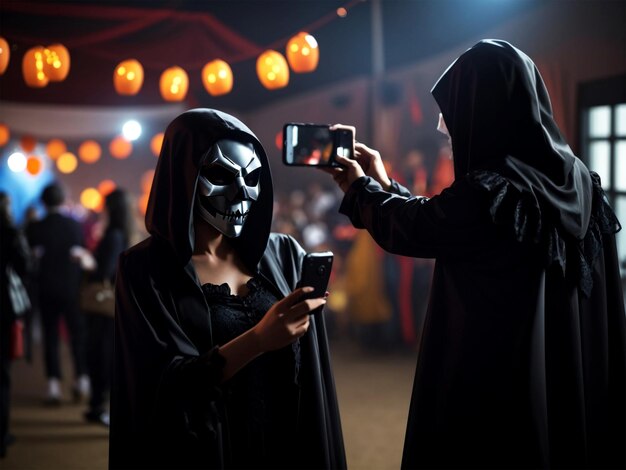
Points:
[(366, 162), (347, 174), (372, 164)]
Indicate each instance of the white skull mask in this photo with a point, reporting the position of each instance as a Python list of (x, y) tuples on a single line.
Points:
[(228, 184)]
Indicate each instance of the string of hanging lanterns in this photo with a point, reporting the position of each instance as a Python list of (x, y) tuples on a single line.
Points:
[(272, 69), (41, 65), (44, 64)]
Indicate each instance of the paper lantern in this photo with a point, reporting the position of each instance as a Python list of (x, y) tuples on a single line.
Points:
[(55, 147), (303, 53), (32, 68), (57, 62), (156, 143), (28, 143), (106, 187), (5, 134), (5, 55), (272, 70), (67, 162), (120, 148), (91, 198), (34, 165), (128, 77), (217, 77), (146, 181), (89, 151), (174, 84)]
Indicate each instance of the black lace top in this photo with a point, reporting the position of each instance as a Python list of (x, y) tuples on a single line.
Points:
[(262, 398)]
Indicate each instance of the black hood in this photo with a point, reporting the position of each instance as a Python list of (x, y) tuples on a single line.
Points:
[(499, 117), (170, 213)]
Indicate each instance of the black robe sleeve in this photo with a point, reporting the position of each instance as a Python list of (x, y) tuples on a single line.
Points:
[(452, 224)]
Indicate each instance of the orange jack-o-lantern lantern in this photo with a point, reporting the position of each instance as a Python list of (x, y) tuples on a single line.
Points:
[(33, 68), (128, 77), (5, 55), (272, 70), (303, 53), (174, 84), (56, 64), (217, 77)]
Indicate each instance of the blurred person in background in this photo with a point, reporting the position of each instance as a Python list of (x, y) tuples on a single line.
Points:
[(219, 363), (15, 267), (367, 302), (58, 281), (523, 357), (119, 229)]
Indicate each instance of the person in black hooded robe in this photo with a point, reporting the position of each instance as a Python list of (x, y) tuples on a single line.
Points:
[(218, 363), (522, 360)]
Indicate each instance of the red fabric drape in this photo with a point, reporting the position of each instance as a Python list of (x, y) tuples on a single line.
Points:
[(156, 37)]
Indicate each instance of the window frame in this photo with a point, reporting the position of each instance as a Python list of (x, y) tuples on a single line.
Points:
[(605, 92)]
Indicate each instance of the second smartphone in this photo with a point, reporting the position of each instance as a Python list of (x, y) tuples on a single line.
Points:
[(315, 144)]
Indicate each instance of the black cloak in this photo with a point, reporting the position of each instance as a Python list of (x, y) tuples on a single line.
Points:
[(167, 407), (523, 356)]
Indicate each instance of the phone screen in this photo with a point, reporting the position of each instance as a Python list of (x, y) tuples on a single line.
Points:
[(314, 144)]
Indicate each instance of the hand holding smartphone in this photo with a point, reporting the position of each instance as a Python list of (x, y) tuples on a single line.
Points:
[(316, 268), (315, 144)]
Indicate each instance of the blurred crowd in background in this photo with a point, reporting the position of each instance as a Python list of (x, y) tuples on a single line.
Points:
[(377, 300)]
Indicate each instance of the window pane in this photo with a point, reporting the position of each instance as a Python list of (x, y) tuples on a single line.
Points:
[(599, 161), (620, 165), (620, 120), (620, 212), (600, 121)]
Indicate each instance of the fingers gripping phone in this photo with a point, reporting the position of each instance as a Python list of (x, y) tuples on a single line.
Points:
[(315, 144), (316, 268)]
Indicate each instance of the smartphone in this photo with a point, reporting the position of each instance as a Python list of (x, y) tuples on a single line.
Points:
[(315, 144), (316, 269)]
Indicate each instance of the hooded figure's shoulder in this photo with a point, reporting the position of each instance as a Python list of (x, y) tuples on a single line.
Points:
[(136, 253), (139, 260), (284, 247), (282, 261)]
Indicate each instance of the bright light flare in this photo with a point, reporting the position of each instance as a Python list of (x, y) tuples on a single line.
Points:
[(131, 130), (17, 162)]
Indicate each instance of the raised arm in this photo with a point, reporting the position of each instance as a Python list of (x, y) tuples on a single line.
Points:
[(455, 223)]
